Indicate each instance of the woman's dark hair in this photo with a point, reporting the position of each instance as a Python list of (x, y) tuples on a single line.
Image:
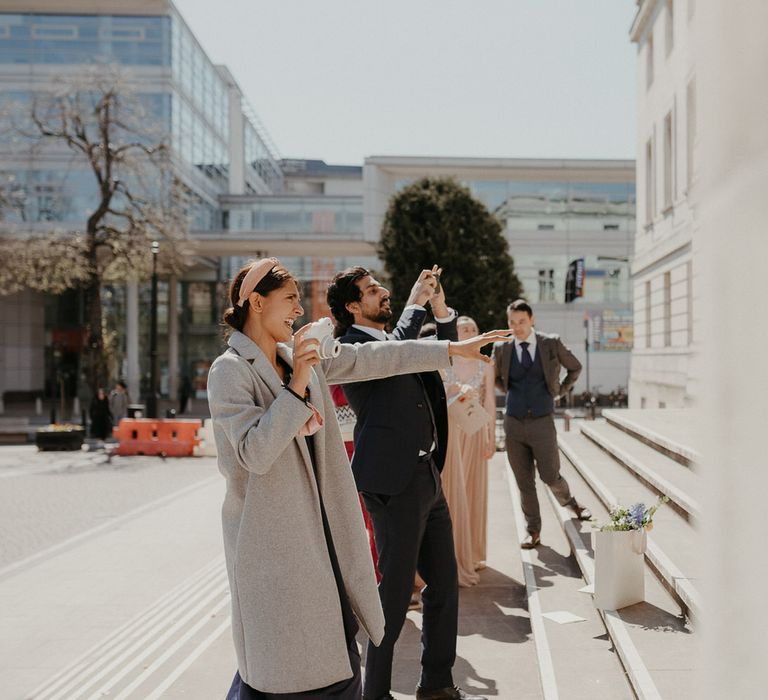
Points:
[(343, 290), (235, 316)]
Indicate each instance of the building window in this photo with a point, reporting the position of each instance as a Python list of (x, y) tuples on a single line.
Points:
[(690, 129), (649, 61), (122, 33), (650, 183), (648, 314), (610, 227), (60, 32), (670, 26), (547, 285), (668, 161), (546, 227), (667, 309), (201, 303), (689, 300), (612, 286)]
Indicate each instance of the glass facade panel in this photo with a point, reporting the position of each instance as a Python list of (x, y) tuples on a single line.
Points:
[(78, 39), (321, 215)]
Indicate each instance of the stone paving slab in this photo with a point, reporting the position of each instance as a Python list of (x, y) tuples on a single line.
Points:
[(54, 611)]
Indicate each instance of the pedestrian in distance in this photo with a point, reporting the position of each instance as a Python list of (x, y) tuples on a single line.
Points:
[(101, 417), (119, 399), (299, 567), (400, 447), (528, 370)]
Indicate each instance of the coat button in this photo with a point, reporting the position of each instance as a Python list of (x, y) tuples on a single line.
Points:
[(420, 405)]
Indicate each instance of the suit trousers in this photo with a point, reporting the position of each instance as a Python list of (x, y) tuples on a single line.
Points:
[(413, 532), (533, 441)]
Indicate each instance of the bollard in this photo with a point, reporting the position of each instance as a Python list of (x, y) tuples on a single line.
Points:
[(38, 406), (567, 421)]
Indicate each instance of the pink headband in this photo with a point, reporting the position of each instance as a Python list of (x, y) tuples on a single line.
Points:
[(258, 272)]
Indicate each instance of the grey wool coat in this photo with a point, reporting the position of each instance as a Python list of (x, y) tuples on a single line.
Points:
[(286, 616)]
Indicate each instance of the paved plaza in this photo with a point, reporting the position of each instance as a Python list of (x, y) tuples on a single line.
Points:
[(112, 584)]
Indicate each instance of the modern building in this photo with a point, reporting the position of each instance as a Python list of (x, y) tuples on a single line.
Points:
[(553, 212), (218, 146), (664, 272), (247, 202)]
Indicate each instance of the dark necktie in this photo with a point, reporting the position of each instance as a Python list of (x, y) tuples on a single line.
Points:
[(525, 357)]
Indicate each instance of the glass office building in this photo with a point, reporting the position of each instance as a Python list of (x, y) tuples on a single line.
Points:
[(187, 103)]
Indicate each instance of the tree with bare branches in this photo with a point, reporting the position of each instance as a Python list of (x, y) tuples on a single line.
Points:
[(104, 126)]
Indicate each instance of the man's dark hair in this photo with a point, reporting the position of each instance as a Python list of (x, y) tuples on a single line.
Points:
[(521, 305), (343, 290)]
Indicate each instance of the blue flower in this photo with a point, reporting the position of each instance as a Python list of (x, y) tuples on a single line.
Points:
[(637, 514)]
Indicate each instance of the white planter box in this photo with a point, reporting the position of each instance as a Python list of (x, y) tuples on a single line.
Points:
[(619, 568)]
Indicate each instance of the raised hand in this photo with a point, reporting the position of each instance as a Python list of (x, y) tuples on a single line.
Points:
[(305, 357), (424, 288), (470, 348)]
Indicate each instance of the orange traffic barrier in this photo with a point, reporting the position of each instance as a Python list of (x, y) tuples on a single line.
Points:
[(147, 436)]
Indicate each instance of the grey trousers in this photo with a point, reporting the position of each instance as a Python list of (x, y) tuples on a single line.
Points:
[(534, 441)]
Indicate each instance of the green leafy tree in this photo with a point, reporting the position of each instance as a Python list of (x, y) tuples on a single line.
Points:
[(438, 221)]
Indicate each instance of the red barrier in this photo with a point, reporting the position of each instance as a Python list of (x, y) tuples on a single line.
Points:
[(147, 436)]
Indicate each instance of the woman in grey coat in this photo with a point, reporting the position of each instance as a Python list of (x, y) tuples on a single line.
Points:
[(300, 570)]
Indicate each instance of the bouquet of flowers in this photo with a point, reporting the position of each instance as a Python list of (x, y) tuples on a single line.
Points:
[(637, 517)]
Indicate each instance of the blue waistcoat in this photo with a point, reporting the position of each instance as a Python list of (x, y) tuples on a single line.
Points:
[(528, 394)]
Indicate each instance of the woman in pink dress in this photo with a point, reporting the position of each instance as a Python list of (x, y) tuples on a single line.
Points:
[(474, 378)]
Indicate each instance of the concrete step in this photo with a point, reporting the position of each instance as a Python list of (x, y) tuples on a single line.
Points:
[(673, 547), (659, 472), (566, 652), (674, 432), (654, 643)]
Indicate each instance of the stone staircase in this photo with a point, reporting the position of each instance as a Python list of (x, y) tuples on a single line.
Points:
[(633, 456)]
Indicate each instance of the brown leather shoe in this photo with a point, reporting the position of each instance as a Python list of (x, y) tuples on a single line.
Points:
[(533, 540), (446, 694), (582, 512)]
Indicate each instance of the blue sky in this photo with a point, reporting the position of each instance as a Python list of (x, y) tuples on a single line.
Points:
[(344, 79)]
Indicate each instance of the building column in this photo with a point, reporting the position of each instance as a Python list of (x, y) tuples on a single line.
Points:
[(173, 338), (732, 209), (132, 338)]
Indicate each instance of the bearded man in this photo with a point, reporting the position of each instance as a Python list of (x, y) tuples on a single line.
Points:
[(400, 441)]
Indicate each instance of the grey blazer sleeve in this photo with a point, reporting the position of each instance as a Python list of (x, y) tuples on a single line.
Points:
[(379, 359), (568, 360), (259, 434)]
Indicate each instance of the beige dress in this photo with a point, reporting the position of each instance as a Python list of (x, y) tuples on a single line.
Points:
[(454, 479), (478, 377)]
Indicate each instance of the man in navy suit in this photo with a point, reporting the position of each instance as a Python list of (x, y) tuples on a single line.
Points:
[(400, 442)]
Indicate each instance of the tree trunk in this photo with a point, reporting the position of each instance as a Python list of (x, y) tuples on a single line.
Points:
[(95, 359)]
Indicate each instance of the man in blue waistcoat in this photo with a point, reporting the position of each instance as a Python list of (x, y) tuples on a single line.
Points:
[(528, 371)]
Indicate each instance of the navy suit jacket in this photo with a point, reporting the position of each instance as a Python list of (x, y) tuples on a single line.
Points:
[(386, 446)]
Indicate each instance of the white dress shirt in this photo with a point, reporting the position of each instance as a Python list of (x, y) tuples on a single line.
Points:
[(531, 340)]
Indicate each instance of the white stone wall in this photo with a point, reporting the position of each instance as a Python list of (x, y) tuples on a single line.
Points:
[(664, 240), (22, 341)]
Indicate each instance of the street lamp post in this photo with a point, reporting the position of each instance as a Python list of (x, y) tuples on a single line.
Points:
[(153, 369)]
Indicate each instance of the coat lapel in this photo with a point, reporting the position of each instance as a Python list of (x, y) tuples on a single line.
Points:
[(315, 396), (506, 361), (543, 352)]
